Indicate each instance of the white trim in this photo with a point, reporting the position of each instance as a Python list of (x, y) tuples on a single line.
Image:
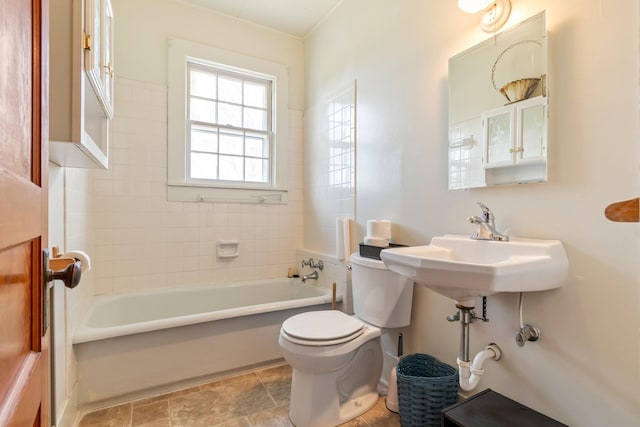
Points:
[(179, 51), (204, 194)]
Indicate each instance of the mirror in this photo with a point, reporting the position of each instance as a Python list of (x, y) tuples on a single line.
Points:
[(498, 109)]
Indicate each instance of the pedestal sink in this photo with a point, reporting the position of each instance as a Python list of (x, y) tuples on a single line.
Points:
[(461, 268)]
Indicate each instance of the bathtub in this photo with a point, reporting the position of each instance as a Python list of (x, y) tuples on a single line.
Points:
[(139, 344)]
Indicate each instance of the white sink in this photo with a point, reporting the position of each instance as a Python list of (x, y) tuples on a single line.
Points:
[(461, 268)]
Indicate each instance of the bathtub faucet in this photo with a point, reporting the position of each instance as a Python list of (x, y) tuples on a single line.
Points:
[(312, 263), (313, 276)]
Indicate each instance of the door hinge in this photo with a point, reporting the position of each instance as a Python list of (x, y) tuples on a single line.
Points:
[(86, 41)]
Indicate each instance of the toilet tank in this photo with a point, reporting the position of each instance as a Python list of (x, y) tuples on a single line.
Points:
[(380, 296)]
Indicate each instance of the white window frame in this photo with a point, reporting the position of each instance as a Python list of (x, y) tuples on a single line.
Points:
[(180, 187)]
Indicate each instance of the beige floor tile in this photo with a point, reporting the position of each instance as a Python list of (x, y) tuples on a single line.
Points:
[(143, 415), (193, 422), (240, 422), (281, 395), (203, 405), (380, 416), (276, 376), (157, 423), (216, 406), (165, 396), (274, 417), (115, 416), (358, 422)]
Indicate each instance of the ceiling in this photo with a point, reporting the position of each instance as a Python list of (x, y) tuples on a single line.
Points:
[(295, 17)]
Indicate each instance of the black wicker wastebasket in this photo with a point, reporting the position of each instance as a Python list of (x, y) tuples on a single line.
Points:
[(425, 387)]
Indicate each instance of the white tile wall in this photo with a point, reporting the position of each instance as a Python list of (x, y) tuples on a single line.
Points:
[(465, 168), (78, 235), (336, 164), (341, 185), (144, 241), (331, 170)]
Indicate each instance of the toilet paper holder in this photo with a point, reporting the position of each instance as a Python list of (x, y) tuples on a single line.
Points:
[(57, 261)]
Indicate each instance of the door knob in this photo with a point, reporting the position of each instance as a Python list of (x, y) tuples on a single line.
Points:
[(70, 275)]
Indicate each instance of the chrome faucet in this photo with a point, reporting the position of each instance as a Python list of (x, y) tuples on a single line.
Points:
[(312, 276), (486, 226), (312, 263)]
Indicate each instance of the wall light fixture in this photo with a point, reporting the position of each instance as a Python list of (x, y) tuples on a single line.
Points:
[(496, 12)]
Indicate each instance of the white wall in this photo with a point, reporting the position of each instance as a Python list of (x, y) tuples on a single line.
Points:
[(585, 371), (142, 28)]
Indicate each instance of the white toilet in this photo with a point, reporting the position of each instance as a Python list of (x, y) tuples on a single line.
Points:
[(337, 358)]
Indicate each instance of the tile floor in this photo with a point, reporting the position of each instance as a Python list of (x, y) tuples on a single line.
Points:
[(256, 399)]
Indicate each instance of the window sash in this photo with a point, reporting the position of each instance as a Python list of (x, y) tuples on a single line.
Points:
[(240, 166), (247, 153)]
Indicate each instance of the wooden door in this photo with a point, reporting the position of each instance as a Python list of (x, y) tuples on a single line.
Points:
[(24, 357)]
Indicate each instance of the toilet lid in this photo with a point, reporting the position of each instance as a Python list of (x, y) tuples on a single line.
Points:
[(322, 328)]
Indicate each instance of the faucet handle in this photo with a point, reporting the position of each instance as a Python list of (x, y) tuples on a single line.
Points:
[(487, 215)]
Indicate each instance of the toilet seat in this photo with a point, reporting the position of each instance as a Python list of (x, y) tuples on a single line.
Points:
[(319, 328)]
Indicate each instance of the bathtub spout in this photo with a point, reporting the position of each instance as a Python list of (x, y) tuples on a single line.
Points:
[(313, 276)]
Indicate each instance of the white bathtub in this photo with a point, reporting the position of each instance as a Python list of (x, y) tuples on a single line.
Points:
[(134, 345)]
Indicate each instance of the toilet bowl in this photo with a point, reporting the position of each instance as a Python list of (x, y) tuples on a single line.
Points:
[(332, 382), (336, 358)]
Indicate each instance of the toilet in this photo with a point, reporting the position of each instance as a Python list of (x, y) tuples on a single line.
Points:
[(337, 358)]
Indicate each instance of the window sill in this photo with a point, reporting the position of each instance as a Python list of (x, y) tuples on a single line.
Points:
[(190, 193)]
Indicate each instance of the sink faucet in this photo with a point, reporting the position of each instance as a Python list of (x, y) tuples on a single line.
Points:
[(313, 276), (486, 226)]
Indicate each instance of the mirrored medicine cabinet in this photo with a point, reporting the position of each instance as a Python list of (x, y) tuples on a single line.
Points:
[(498, 109)]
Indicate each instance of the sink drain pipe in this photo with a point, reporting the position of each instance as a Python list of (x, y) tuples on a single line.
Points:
[(470, 372)]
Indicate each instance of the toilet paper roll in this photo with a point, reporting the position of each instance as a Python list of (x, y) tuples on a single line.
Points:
[(379, 229), (81, 256)]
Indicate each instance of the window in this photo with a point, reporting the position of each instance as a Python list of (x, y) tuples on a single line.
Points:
[(227, 126)]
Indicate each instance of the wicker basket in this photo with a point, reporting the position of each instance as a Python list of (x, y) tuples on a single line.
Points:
[(425, 387), (520, 89)]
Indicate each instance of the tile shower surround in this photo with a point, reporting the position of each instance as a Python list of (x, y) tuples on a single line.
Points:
[(144, 241), (259, 398)]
